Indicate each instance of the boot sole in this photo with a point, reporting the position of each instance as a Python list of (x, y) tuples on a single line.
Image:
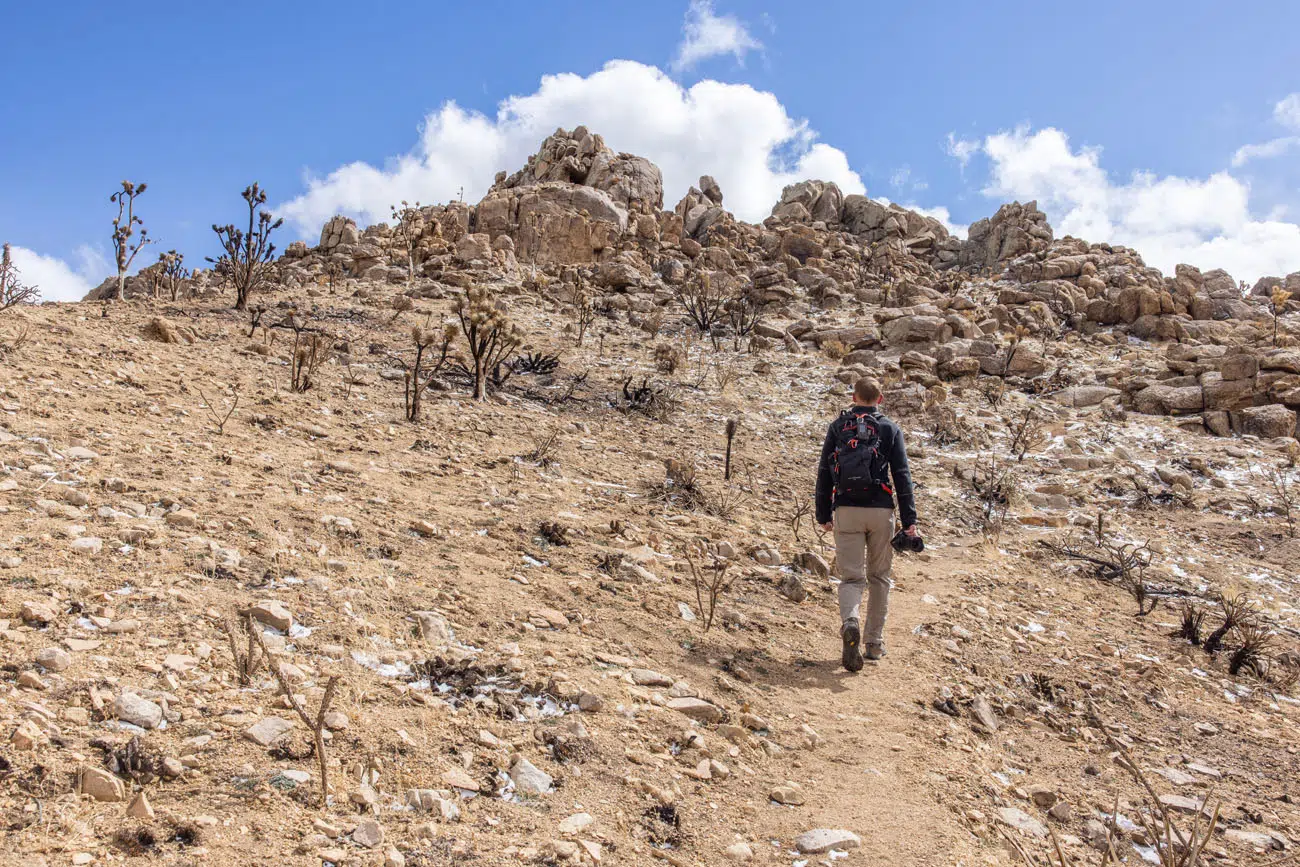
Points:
[(852, 657)]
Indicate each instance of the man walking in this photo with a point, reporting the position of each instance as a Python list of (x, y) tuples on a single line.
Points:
[(863, 467)]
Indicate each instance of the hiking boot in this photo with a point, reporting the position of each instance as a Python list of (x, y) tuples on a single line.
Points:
[(852, 636), (875, 651)]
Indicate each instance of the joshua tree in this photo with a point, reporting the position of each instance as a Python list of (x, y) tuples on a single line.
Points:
[(124, 251), (174, 273), (12, 292), (1276, 304), (247, 260), (409, 229), (491, 336), (433, 351)]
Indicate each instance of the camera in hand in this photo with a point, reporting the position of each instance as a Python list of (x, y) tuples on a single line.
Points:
[(907, 544)]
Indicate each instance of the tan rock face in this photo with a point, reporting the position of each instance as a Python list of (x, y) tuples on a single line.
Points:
[(101, 785)]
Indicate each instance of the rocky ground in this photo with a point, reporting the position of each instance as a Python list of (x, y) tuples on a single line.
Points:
[(495, 616)]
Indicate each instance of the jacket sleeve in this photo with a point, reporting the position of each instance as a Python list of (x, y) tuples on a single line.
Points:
[(825, 506), (902, 476)]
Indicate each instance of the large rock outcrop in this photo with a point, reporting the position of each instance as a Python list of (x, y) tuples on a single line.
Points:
[(571, 201)]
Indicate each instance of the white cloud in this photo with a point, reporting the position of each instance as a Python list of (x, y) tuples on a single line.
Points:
[(962, 149), (55, 278), (743, 137), (1287, 111), (1169, 220), (939, 213), (705, 35), (1268, 150)]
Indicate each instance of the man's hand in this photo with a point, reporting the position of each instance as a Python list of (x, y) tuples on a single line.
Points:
[(911, 531), (828, 526)]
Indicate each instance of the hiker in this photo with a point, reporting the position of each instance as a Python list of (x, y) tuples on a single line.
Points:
[(863, 452)]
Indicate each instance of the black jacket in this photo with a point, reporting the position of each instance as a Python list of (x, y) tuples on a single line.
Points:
[(891, 442)]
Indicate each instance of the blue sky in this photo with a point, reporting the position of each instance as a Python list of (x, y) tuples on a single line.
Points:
[(949, 107)]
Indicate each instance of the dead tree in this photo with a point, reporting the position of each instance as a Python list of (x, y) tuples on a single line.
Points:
[(174, 273), (744, 312), (491, 336), (219, 419), (710, 585), (433, 352), (409, 228), (317, 725), (249, 253), (705, 302), (584, 310), (307, 352), (124, 229), (12, 291)]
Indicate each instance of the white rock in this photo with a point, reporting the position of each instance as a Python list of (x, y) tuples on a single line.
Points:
[(820, 840), (530, 779), (88, 546), (131, 708), (265, 732), (54, 658)]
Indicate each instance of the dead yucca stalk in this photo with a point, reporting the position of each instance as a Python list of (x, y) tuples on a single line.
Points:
[(1237, 610), (247, 662), (1057, 857), (1193, 619), (1253, 652), (732, 424), (545, 446)]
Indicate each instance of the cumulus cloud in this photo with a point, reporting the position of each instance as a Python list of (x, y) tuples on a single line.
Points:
[(1265, 151), (1287, 111), (1169, 220), (706, 34), (744, 137), (1287, 114), (962, 149), (55, 278)]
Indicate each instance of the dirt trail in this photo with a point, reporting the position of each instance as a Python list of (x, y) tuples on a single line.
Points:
[(877, 764)]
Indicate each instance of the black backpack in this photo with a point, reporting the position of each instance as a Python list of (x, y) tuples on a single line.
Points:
[(857, 465)]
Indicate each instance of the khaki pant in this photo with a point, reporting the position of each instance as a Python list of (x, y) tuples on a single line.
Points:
[(863, 556)]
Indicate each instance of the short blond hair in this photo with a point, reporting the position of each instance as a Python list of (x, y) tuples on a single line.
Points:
[(866, 391)]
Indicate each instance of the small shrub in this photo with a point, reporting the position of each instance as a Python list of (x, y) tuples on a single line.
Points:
[(1025, 432), (1252, 653), (711, 583), (834, 349), (668, 358), (996, 488)]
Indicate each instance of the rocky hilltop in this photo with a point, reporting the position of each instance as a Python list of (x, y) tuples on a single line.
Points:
[(278, 589)]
